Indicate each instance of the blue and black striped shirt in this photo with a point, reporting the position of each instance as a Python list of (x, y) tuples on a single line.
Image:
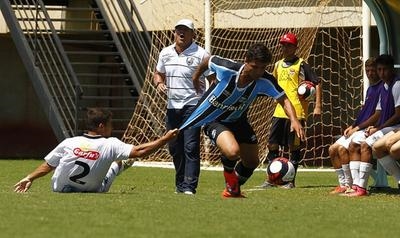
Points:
[(225, 101)]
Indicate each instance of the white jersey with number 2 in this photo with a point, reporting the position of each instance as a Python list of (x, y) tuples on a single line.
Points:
[(82, 162)]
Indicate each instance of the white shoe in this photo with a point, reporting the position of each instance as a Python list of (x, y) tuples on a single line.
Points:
[(188, 193)]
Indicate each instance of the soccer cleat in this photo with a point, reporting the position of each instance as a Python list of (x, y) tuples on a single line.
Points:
[(339, 189), (288, 185), (266, 185), (231, 184), (227, 194), (351, 189), (359, 192)]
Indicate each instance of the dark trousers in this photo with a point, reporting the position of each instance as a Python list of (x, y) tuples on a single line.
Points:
[(185, 150)]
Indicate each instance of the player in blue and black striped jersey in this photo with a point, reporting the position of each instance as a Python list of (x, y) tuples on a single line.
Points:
[(223, 111)]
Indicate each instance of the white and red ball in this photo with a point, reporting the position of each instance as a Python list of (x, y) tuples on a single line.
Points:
[(306, 90), (280, 171)]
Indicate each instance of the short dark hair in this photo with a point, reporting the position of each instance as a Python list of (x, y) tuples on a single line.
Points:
[(370, 62), (259, 52), (95, 116), (385, 60)]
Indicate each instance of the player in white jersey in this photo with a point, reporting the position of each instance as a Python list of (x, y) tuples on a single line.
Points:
[(90, 163)]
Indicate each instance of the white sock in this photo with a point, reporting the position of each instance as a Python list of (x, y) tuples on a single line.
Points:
[(355, 170), (390, 165), (340, 175), (112, 172), (365, 169), (347, 174)]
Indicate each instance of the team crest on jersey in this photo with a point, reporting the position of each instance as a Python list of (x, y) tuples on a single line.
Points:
[(189, 60), (90, 155), (292, 72)]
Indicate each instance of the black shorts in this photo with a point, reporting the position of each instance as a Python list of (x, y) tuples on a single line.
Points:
[(242, 131), (280, 133)]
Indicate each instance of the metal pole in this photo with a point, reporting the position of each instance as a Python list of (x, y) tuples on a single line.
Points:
[(207, 25), (366, 28)]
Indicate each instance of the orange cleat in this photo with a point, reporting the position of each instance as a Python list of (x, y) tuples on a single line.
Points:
[(339, 189), (232, 187), (227, 194)]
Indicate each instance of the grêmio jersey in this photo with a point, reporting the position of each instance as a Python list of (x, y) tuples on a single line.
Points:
[(225, 101), (83, 161)]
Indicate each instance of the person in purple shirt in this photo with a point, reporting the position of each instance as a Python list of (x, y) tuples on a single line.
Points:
[(388, 114), (338, 151)]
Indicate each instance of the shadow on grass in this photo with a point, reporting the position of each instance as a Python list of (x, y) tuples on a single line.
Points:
[(318, 186), (384, 190)]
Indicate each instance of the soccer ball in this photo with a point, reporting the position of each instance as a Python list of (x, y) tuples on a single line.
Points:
[(306, 90), (280, 171)]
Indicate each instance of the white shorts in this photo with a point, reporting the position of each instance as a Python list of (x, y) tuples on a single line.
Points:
[(358, 137), (379, 134), (345, 141)]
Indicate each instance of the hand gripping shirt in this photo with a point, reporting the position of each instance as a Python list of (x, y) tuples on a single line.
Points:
[(83, 161), (225, 101)]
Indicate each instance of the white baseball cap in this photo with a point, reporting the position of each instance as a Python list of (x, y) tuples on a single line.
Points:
[(185, 22)]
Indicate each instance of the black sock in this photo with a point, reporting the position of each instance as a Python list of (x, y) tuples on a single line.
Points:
[(295, 157), (229, 165), (243, 172)]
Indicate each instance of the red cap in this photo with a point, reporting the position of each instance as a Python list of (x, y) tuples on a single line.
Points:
[(289, 38)]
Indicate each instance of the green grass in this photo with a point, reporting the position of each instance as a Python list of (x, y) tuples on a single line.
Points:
[(142, 203)]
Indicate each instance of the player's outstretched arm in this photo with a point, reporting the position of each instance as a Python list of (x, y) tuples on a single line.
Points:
[(146, 149), (291, 113), (24, 184)]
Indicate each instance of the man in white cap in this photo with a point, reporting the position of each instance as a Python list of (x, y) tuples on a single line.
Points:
[(173, 76)]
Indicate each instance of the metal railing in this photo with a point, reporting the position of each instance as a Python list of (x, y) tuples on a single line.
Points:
[(131, 35), (36, 31), (48, 66)]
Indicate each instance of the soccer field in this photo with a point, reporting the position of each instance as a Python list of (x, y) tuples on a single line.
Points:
[(142, 203)]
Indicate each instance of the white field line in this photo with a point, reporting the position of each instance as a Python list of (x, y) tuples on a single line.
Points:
[(169, 165)]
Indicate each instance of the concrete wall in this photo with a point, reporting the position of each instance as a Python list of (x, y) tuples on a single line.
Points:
[(24, 128)]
